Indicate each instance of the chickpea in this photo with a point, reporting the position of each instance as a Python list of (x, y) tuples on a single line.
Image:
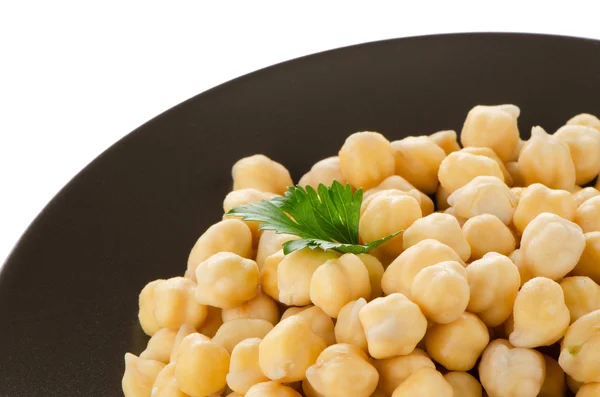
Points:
[(348, 328), (174, 304), (292, 311), (399, 275), (588, 215), (524, 271), (140, 374), (166, 384), (573, 385), (551, 246), (271, 389), (261, 173), (399, 183), (494, 127), (234, 331), (426, 382), (486, 233), (517, 193), (343, 370), (540, 314), (212, 323), (183, 331), (484, 195), (227, 280), (339, 281), (464, 384), (546, 160), (262, 307), (460, 219), (319, 322), (489, 153), (442, 227), (494, 281), (584, 144), (582, 295), (325, 171), (447, 140), (388, 212), (457, 345), (441, 291), (441, 198), (295, 272), (393, 326), (289, 349), (393, 371), (585, 119), (160, 346), (460, 168), (244, 197), (589, 390), (229, 235), (580, 349), (554, 382), (538, 198), (588, 263), (269, 275), (418, 160), (376, 270), (366, 159), (507, 371), (146, 305), (310, 391), (269, 243), (585, 194), (515, 173), (202, 366), (244, 370)]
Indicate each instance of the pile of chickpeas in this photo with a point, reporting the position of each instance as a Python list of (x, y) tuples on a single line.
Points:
[(493, 290)]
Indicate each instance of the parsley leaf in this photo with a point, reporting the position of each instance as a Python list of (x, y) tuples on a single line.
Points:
[(326, 218)]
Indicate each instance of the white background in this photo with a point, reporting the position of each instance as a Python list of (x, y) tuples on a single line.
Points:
[(76, 77)]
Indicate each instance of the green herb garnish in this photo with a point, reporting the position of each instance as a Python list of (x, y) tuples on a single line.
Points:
[(325, 218)]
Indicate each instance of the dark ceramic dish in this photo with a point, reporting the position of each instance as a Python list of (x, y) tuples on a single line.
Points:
[(68, 291)]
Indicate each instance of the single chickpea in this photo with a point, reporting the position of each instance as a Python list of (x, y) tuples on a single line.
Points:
[(540, 314), (494, 281), (271, 389), (517, 193), (442, 227), (447, 140), (524, 271), (584, 144), (551, 246), (554, 382), (160, 345), (366, 159), (324, 172), (484, 195), (589, 390), (393, 371), (507, 371), (212, 323), (588, 215), (263, 307), (261, 173), (376, 270), (393, 326), (348, 328), (460, 219), (174, 304), (585, 119), (227, 280), (140, 374), (183, 331), (166, 384), (202, 366), (289, 349), (308, 390), (319, 322), (426, 382), (457, 345), (538, 198), (399, 183), (489, 153), (515, 173), (517, 152), (546, 160), (464, 384), (292, 311), (343, 370), (268, 274), (418, 160), (229, 235), (295, 272), (588, 263), (244, 370), (339, 281), (460, 168), (580, 349), (486, 233), (494, 127), (441, 291), (441, 198), (269, 243), (388, 212), (585, 194), (146, 305), (399, 275), (233, 332), (582, 295), (244, 197)]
